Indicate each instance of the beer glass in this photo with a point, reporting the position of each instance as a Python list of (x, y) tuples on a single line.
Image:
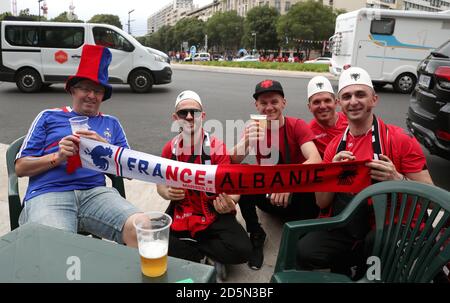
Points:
[(152, 230), (79, 123), (262, 119)]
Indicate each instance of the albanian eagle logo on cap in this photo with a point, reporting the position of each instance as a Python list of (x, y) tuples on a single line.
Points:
[(266, 83), (355, 76), (319, 85)]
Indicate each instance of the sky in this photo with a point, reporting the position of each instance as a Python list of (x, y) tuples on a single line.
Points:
[(85, 9)]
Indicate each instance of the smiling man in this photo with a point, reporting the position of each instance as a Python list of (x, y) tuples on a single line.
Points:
[(79, 201), (393, 155), (291, 142), (204, 225), (327, 123)]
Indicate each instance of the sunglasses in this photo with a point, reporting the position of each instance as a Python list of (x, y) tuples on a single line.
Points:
[(183, 113)]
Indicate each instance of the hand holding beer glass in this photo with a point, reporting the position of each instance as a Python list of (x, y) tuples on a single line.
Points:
[(152, 230), (257, 132), (79, 123)]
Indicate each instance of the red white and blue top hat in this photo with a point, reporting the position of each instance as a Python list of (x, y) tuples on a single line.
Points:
[(94, 63)]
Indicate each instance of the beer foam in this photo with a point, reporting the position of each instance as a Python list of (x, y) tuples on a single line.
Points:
[(153, 249)]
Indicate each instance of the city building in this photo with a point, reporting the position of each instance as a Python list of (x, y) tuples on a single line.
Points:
[(240, 6), (426, 5), (243, 6), (169, 14), (205, 12)]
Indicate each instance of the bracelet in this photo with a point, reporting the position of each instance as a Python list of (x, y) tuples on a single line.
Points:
[(53, 160)]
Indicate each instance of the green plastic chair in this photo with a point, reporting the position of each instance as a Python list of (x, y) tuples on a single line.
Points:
[(15, 204), (414, 254)]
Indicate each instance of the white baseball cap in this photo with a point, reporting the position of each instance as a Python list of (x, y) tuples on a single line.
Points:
[(188, 94), (354, 75), (319, 84)]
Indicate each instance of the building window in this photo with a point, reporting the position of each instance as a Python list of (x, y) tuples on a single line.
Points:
[(287, 6), (278, 5)]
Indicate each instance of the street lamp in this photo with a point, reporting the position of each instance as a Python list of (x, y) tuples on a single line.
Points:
[(39, 7), (254, 45), (129, 28)]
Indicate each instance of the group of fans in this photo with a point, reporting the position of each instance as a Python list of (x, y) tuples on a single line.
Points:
[(205, 228)]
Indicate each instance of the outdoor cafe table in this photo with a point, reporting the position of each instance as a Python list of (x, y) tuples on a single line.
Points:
[(37, 253)]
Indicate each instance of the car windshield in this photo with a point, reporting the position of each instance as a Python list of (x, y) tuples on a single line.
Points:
[(443, 50)]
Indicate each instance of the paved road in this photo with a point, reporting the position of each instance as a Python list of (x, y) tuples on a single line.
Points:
[(147, 121)]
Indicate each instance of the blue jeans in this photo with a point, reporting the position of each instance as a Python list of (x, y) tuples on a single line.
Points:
[(100, 211)]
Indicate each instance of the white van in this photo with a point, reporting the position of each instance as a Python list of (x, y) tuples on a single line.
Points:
[(389, 44), (36, 54)]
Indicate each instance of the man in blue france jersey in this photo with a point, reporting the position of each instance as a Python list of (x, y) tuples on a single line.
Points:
[(79, 201)]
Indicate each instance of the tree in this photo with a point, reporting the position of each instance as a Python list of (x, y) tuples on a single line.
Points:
[(261, 20), (65, 17), (4, 15), (225, 30), (162, 39), (107, 19), (310, 21), (190, 30), (25, 13)]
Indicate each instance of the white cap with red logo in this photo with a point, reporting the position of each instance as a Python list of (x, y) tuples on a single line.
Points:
[(354, 75), (319, 84)]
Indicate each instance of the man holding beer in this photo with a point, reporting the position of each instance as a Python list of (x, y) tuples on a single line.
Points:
[(79, 201), (203, 224), (290, 141)]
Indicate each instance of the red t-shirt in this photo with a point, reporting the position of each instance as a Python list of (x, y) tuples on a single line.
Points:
[(323, 135), (297, 133), (405, 152), (219, 155)]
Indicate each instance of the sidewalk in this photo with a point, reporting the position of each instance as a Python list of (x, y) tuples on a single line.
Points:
[(145, 197), (251, 71)]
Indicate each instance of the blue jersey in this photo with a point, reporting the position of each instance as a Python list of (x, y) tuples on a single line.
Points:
[(43, 137)]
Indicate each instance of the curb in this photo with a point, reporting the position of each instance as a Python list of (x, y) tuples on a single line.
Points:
[(251, 71)]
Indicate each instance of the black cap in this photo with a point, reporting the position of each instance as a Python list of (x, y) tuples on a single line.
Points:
[(268, 86)]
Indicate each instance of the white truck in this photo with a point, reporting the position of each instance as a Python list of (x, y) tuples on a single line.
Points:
[(35, 54), (389, 44)]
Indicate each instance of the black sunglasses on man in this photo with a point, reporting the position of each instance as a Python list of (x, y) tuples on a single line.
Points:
[(183, 113)]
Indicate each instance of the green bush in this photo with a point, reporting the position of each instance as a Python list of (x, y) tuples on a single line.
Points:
[(302, 67)]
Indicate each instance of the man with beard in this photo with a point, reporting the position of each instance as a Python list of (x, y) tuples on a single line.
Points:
[(204, 225)]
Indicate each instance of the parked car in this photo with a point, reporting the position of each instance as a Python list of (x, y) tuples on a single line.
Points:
[(217, 57), (428, 116), (248, 58), (319, 60), (199, 57)]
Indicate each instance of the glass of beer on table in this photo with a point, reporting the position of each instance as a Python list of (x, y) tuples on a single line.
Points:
[(152, 232)]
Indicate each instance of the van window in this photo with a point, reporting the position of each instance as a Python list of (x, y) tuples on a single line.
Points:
[(109, 38), (384, 26), (22, 35), (61, 37)]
